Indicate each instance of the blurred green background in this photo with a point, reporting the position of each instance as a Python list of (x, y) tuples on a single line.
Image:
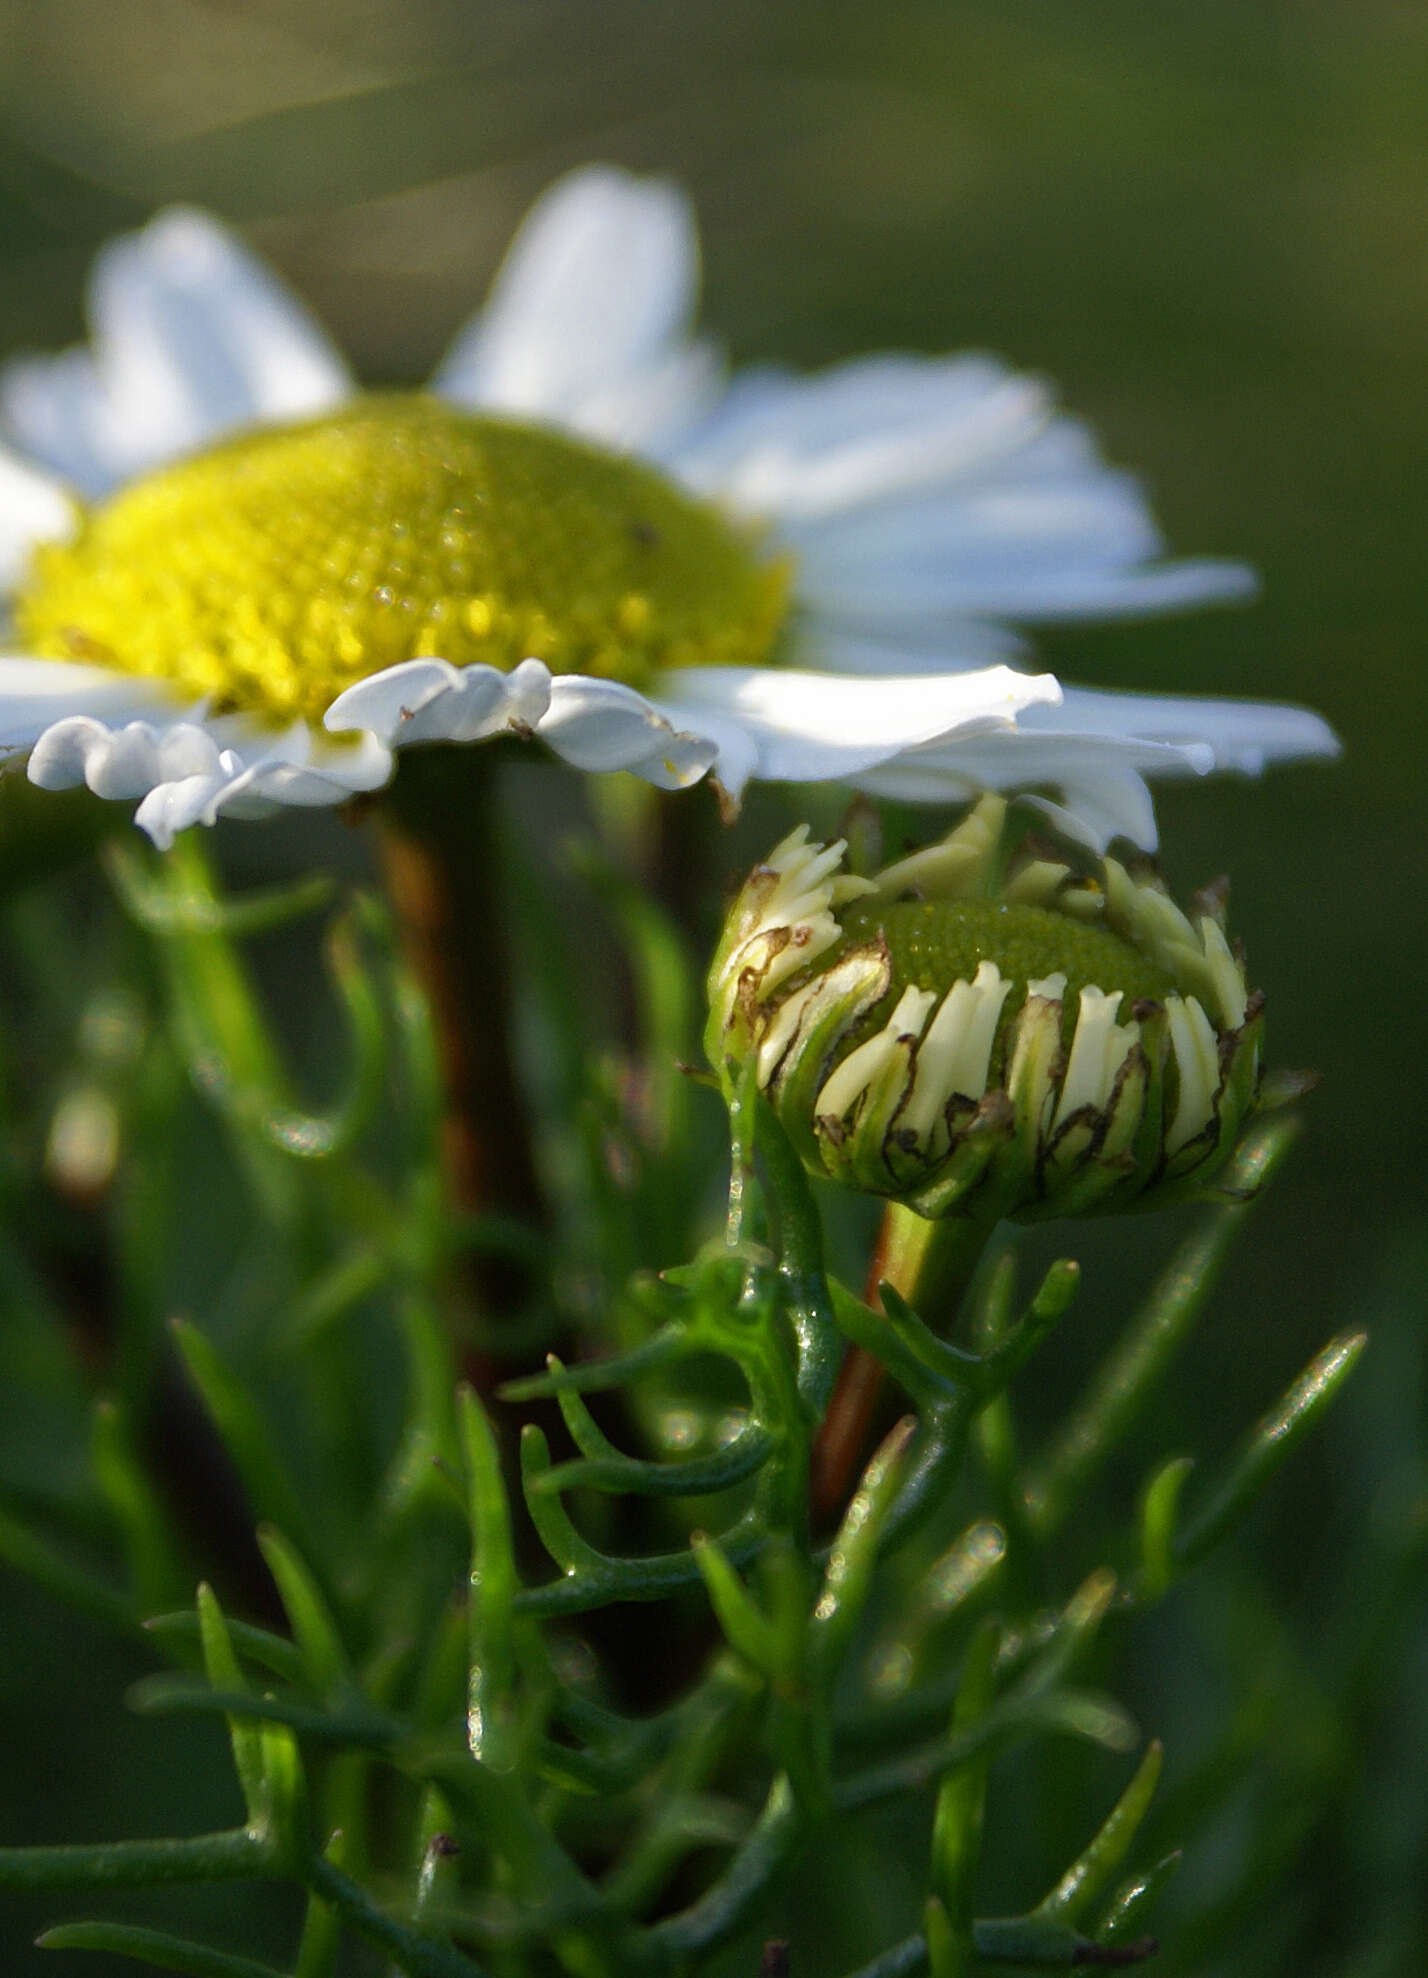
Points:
[(1209, 225)]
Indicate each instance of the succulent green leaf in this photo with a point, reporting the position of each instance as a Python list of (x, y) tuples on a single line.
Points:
[(321, 1936), (946, 1949), (1159, 1512), (1268, 1445), (224, 1675), (1120, 1390), (848, 1576), (155, 1947), (238, 1420), (747, 1630), (1130, 1907), (1087, 1877), (493, 1583), (316, 1633), (957, 1817), (274, 1653), (154, 1573), (232, 1854), (24, 1552)]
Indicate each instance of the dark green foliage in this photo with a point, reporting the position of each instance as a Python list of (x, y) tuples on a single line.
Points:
[(439, 1736)]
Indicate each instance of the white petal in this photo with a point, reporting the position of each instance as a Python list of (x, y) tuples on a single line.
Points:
[(962, 645), (36, 692), (917, 489), (1239, 735), (192, 337), (303, 770), (597, 290), (801, 448), (894, 605), (997, 520), (1096, 749), (294, 769), (1101, 778), (187, 769), (604, 725), (1021, 550), (123, 761), (430, 700), (785, 725), (646, 410), (33, 509)]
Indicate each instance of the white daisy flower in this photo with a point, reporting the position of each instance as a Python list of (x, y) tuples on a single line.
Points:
[(265, 581)]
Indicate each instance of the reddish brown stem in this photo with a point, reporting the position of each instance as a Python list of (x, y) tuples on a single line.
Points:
[(845, 1432), (440, 866)]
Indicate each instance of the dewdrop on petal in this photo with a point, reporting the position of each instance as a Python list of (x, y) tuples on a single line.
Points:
[(984, 1032)]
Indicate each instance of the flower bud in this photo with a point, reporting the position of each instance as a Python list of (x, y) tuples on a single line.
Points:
[(979, 1034)]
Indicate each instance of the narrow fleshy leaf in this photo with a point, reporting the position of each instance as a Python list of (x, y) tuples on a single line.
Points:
[(155, 1947), (946, 1953), (1087, 1877), (274, 1653), (312, 1624), (236, 1416), (1159, 1512), (1130, 1907), (224, 1674), (957, 1817), (571, 1552), (747, 1630), (24, 1552), (176, 895), (232, 1854), (877, 1335), (1267, 1446), (848, 1576), (321, 1935), (600, 1376), (492, 1587), (154, 1573), (1119, 1391)]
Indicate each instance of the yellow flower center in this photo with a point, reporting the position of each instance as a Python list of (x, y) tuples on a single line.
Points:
[(278, 568)]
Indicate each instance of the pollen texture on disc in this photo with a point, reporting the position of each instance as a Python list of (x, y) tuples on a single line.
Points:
[(278, 568)]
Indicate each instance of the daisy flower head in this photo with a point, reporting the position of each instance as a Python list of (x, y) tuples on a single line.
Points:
[(985, 1030), (231, 580)]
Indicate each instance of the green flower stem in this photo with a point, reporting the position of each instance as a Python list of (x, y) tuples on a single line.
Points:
[(440, 862)]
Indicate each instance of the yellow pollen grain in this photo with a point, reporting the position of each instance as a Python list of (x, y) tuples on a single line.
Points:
[(273, 571)]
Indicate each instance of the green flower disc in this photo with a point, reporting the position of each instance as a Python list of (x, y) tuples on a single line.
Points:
[(274, 570), (934, 943)]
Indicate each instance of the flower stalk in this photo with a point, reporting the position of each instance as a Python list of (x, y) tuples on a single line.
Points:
[(440, 864)]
